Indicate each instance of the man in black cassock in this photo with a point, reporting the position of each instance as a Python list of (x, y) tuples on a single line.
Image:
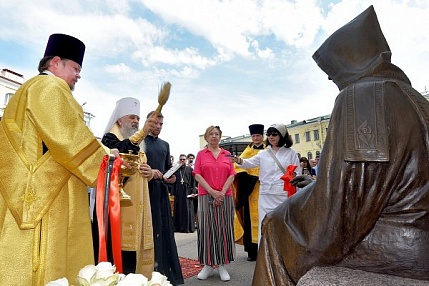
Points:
[(158, 158), (183, 216)]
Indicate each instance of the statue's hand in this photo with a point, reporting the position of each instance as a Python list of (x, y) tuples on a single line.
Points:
[(301, 181)]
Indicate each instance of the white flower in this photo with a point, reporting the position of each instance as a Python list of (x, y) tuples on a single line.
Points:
[(101, 275), (86, 275), (104, 275), (59, 282), (104, 270), (158, 280), (108, 282), (98, 283), (133, 280)]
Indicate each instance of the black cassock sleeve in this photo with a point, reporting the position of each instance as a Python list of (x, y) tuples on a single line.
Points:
[(111, 141)]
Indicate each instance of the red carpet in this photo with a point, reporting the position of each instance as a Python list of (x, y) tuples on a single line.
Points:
[(190, 267)]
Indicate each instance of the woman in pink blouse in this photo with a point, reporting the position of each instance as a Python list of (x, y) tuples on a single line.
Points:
[(215, 173)]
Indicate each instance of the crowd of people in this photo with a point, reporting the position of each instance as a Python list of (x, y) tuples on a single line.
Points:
[(290, 213)]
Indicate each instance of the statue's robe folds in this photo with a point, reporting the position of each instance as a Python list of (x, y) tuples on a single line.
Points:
[(369, 207), (136, 217), (45, 231)]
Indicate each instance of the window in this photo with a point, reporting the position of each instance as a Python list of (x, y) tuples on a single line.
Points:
[(7, 97), (309, 155), (316, 135), (307, 136), (296, 138)]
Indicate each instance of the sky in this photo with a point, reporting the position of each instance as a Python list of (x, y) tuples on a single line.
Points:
[(231, 63)]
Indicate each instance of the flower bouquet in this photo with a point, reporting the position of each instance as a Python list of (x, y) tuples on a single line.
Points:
[(104, 274)]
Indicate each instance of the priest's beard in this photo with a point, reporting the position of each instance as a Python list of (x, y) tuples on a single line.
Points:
[(128, 129)]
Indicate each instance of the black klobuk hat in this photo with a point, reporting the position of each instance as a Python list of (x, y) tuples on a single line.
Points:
[(256, 129), (65, 46)]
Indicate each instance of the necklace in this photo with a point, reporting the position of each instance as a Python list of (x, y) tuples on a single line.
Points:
[(181, 176)]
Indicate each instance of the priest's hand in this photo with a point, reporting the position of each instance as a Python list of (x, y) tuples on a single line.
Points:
[(157, 174), (149, 124), (145, 170), (301, 181), (170, 180), (115, 152)]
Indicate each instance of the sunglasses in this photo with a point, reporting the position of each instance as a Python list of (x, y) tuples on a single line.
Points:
[(272, 134), (182, 159)]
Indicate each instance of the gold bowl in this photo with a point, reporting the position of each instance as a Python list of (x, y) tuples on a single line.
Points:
[(133, 161)]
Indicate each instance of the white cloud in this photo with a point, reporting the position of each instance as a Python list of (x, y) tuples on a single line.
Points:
[(120, 68)]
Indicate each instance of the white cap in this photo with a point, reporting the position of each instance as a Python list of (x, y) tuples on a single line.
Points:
[(280, 128), (124, 106)]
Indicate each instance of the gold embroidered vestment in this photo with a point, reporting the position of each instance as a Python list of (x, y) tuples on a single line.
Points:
[(45, 231)]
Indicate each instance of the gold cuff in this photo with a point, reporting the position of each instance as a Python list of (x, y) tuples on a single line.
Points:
[(137, 137)]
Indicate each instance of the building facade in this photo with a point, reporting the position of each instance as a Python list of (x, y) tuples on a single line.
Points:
[(309, 135), (10, 81)]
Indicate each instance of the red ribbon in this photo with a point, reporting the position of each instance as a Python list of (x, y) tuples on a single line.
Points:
[(289, 175), (114, 211)]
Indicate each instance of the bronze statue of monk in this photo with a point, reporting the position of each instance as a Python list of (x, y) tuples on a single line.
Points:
[(369, 207)]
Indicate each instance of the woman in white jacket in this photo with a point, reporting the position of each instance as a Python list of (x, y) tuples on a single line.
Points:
[(271, 193)]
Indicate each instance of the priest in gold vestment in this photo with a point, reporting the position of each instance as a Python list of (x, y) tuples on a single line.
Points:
[(136, 217), (246, 195), (48, 158)]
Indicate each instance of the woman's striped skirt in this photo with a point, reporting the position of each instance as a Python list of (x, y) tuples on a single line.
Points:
[(216, 244)]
